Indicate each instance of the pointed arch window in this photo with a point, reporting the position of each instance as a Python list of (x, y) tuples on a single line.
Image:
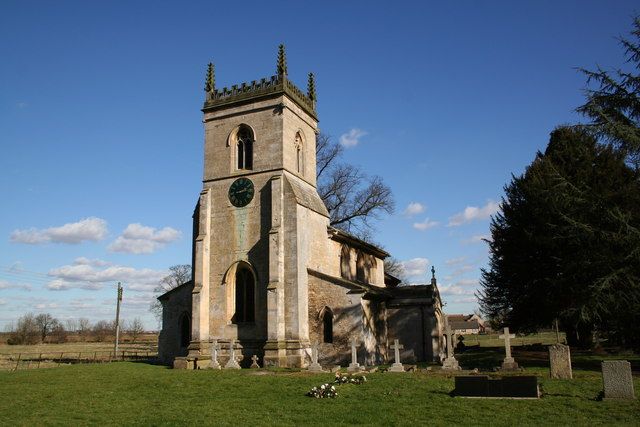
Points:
[(245, 295), (244, 148), (327, 325)]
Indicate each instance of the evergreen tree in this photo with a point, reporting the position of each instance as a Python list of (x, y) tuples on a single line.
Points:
[(614, 106), (567, 244)]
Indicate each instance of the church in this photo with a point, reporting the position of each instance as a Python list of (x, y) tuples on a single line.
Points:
[(270, 275)]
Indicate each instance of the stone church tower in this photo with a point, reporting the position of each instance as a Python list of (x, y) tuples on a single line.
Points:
[(269, 273)]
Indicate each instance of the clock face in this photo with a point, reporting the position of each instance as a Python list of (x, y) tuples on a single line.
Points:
[(241, 192)]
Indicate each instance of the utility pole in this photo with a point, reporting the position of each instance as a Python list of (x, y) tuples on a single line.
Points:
[(115, 351)]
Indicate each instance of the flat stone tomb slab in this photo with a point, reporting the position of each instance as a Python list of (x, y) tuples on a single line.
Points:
[(617, 379), (520, 387)]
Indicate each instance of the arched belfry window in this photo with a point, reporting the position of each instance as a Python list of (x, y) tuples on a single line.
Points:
[(185, 330), (299, 145), (244, 295), (244, 148), (326, 316), (361, 270)]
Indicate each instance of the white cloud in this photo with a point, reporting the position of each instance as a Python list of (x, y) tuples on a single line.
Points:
[(473, 213), (90, 229), (415, 266), (140, 239), (455, 290), (455, 261), (94, 262), (42, 306), (90, 277), (352, 138), (462, 269), (477, 239), (414, 208), (7, 285), (3, 301), (22, 104), (425, 225)]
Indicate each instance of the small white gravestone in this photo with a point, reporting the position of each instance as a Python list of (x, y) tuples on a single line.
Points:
[(450, 363), (232, 363), (617, 379), (354, 366), (397, 366), (509, 363), (314, 366), (214, 356), (254, 362)]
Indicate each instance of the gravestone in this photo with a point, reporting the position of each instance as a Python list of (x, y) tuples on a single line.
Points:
[(254, 362), (397, 366), (232, 363), (506, 387), (509, 363), (450, 363), (560, 362), (354, 366), (214, 356), (617, 379), (314, 366)]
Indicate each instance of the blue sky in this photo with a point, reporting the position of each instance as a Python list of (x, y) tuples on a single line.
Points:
[(101, 133)]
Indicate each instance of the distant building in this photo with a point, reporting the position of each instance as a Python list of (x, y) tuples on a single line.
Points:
[(466, 323)]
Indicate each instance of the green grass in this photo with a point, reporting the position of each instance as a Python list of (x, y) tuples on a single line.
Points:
[(139, 394)]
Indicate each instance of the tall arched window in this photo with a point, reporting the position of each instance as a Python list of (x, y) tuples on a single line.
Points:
[(327, 325), (345, 263), (185, 330), (299, 154), (361, 269), (244, 148), (245, 295)]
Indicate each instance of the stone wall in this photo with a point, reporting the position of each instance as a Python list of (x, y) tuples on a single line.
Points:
[(174, 305)]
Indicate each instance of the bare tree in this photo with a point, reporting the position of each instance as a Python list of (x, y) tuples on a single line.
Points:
[(102, 329), (395, 268), (352, 198), (84, 327), (178, 275), (45, 323), (25, 331), (71, 325), (135, 328), (58, 332)]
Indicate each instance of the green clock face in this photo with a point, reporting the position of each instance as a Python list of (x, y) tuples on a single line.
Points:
[(241, 192)]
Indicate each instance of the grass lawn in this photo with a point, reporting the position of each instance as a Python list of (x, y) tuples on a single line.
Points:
[(125, 393)]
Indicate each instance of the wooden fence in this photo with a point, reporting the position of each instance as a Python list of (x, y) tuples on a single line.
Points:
[(17, 361)]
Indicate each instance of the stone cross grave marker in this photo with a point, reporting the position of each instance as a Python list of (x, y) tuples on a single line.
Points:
[(450, 363), (397, 366), (509, 363), (254, 362), (560, 361), (617, 379), (232, 363), (214, 355), (314, 366), (354, 365)]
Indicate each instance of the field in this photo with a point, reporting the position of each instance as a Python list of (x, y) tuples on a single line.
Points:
[(125, 393), (50, 355)]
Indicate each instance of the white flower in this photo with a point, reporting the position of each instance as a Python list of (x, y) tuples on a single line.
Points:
[(322, 386)]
